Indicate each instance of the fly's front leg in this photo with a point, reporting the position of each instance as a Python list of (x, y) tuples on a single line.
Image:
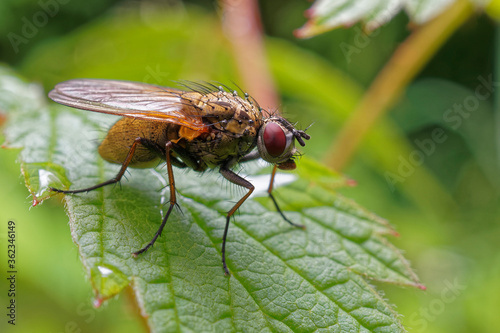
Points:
[(128, 159), (255, 155), (235, 179), (173, 200), (270, 190)]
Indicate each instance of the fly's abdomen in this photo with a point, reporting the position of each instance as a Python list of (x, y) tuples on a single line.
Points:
[(116, 145)]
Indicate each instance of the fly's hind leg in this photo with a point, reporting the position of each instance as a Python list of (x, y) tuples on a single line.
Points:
[(151, 145), (119, 175), (173, 199)]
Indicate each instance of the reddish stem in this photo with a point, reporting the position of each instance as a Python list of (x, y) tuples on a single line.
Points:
[(243, 28)]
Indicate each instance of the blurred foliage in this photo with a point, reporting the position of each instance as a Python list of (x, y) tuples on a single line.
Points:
[(446, 211), (325, 15), (37, 21)]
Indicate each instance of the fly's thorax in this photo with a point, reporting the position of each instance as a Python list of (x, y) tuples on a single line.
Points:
[(226, 111), (220, 148), (244, 122), (231, 136)]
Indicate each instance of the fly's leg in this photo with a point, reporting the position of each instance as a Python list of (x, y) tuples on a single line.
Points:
[(187, 159), (252, 156), (173, 200), (119, 175), (235, 179), (269, 191), (255, 155), (117, 178)]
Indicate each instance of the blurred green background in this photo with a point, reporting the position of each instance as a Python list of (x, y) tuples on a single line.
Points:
[(444, 201)]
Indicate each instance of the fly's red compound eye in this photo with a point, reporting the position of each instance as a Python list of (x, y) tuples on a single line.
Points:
[(274, 139)]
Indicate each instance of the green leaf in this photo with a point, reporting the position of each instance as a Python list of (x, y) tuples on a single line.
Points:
[(282, 279), (326, 15)]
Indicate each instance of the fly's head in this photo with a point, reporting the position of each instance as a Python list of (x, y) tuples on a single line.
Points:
[(276, 142)]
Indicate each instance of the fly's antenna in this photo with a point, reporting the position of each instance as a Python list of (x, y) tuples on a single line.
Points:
[(308, 127), (301, 134)]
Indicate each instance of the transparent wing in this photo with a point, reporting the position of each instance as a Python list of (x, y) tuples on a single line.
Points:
[(128, 99)]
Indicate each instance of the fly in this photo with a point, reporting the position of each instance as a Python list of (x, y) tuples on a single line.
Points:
[(205, 127)]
